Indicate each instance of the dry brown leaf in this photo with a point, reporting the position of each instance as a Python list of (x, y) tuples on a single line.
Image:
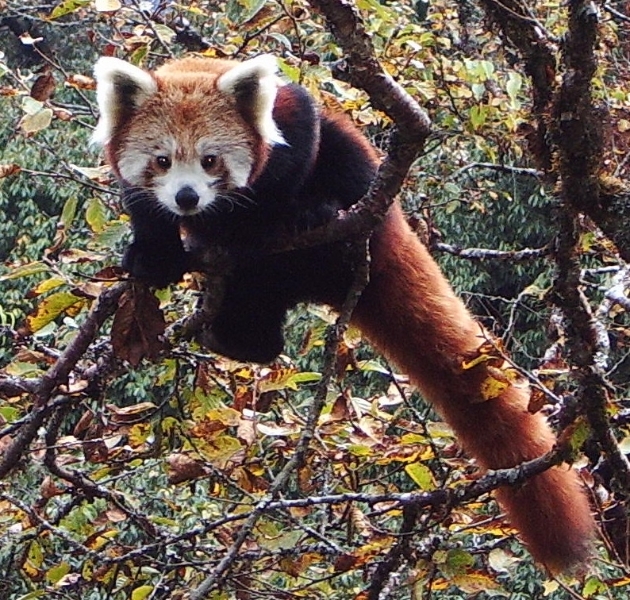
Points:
[(138, 326)]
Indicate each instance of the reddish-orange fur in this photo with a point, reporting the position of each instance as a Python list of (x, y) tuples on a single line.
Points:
[(410, 312)]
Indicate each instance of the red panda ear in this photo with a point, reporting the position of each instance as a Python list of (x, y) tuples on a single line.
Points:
[(120, 89), (254, 85)]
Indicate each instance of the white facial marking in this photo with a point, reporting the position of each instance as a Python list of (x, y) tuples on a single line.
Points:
[(239, 164), (138, 167), (133, 167), (113, 76), (264, 69), (181, 175)]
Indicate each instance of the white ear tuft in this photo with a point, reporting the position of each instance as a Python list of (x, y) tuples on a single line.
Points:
[(120, 87), (254, 84)]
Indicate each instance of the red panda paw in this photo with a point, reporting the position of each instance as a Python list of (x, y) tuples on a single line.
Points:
[(157, 267), (261, 350)]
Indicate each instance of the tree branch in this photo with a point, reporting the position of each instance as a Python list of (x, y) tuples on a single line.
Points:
[(524, 255), (579, 139), (43, 388)]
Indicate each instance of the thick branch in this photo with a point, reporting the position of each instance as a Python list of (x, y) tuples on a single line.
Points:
[(44, 387), (412, 122), (521, 30), (577, 124)]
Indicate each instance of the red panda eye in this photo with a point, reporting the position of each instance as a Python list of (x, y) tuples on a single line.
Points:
[(208, 161), (164, 162)]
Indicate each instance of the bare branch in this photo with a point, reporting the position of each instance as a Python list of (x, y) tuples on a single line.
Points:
[(509, 169), (524, 255)]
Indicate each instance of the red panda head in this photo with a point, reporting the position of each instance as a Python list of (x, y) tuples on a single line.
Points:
[(190, 131)]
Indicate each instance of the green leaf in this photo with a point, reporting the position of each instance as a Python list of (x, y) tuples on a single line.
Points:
[(138, 56), (9, 413), (252, 8), (360, 450), (112, 233), (372, 366), (305, 377), (487, 69), (580, 432), (54, 574), (35, 554), (67, 7), (452, 189), (19, 368), (377, 8), (513, 87), (478, 115), (31, 106), (593, 586), (283, 40), (68, 212), (458, 561), (96, 214), (164, 32), (32, 268), (478, 90)]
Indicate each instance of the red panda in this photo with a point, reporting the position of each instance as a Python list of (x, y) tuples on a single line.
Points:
[(231, 154)]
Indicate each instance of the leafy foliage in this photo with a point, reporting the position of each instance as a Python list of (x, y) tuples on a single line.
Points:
[(157, 456)]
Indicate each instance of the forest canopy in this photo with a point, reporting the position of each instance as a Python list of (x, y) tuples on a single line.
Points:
[(137, 464)]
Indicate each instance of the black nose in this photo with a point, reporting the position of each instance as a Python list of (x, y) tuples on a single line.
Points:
[(187, 198)]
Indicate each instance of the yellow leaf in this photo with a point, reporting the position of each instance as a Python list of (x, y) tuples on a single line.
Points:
[(88, 570), (421, 476), (492, 388), (549, 587), (413, 438), (96, 214), (498, 380), (139, 434), (98, 541), (142, 592), (47, 285), (360, 450), (50, 308), (479, 359), (221, 450), (32, 268), (472, 583), (67, 7), (34, 560), (226, 416)]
